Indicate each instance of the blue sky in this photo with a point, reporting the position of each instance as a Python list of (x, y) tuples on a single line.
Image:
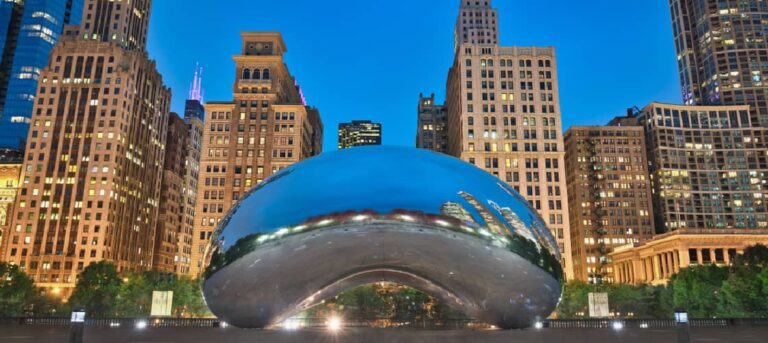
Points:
[(370, 59)]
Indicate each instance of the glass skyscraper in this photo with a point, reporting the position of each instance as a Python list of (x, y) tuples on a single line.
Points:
[(27, 47), (722, 53)]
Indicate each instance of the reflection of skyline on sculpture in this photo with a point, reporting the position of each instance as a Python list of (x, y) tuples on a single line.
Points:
[(375, 214), (309, 199)]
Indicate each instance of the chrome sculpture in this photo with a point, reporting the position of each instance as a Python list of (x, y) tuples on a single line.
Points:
[(373, 214)]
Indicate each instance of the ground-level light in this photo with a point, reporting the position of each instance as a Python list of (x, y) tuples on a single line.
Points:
[(334, 323)]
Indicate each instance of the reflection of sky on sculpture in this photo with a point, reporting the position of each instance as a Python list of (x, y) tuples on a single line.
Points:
[(380, 179)]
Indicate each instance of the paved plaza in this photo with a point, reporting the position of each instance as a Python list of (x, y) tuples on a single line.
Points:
[(30, 334)]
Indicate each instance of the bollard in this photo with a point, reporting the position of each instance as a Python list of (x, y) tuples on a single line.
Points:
[(77, 325), (683, 326)]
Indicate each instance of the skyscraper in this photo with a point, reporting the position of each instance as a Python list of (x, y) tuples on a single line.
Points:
[(170, 233), (359, 133), (609, 195), (178, 195), (503, 115), (33, 28), (93, 168), (708, 167), (477, 24), (430, 128), (722, 53), (265, 128)]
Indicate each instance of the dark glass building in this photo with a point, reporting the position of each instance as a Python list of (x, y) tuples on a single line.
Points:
[(359, 133), (33, 28)]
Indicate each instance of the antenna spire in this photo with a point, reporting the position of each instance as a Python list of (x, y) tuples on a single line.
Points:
[(196, 91)]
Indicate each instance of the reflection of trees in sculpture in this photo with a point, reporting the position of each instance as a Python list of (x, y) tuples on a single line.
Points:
[(531, 252), (386, 304), (242, 247)]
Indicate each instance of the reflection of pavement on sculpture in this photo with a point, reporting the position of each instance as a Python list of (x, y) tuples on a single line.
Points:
[(374, 214), (29, 334)]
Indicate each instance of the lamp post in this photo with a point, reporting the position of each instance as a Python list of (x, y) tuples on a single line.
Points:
[(77, 325), (683, 326)]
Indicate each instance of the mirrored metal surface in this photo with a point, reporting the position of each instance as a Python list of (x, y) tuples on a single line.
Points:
[(374, 214)]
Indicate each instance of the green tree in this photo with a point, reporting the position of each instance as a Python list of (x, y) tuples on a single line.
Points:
[(96, 289), (188, 299), (754, 256), (575, 300), (742, 294), (16, 291), (134, 298), (696, 289)]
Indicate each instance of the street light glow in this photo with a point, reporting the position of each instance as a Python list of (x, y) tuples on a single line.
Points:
[(291, 325), (334, 324)]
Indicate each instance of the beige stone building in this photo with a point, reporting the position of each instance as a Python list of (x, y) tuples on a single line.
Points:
[(10, 174), (265, 128), (609, 195), (94, 156), (503, 115), (655, 262), (430, 128)]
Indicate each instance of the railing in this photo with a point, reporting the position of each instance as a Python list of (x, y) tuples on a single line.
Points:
[(638, 323), (116, 322), (383, 322)]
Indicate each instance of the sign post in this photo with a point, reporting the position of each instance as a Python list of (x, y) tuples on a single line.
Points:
[(598, 305), (683, 326), (77, 323), (162, 304)]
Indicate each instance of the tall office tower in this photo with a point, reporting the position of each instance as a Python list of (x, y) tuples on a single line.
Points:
[(10, 23), (722, 53), (30, 30), (128, 29), (609, 195), (708, 167), (193, 150), (504, 116), (94, 156), (170, 219), (265, 128), (430, 130), (175, 225), (477, 23), (359, 133)]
